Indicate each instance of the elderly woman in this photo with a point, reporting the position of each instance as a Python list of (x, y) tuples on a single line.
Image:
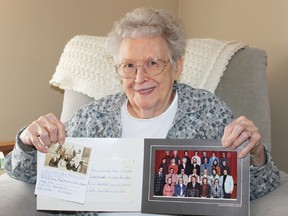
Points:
[(148, 48)]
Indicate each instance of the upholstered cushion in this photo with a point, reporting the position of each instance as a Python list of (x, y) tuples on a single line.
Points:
[(71, 102)]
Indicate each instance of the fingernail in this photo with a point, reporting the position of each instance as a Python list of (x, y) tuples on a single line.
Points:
[(241, 155), (225, 144)]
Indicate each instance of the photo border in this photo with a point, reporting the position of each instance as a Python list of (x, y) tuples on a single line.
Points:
[(184, 205)]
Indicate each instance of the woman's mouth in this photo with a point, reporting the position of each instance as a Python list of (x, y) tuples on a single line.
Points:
[(145, 91)]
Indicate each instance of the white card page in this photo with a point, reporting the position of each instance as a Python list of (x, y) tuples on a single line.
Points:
[(114, 181), (64, 171)]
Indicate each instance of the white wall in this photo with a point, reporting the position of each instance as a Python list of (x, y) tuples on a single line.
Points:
[(262, 24)]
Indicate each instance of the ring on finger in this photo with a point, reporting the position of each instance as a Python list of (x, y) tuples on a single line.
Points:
[(249, 133)]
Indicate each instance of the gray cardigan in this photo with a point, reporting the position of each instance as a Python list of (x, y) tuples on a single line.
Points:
[(200, 115)]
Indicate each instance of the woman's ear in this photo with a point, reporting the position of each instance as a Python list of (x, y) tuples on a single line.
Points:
[(179, 66)]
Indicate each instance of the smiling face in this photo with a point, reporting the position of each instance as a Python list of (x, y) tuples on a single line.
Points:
[(148, 96)]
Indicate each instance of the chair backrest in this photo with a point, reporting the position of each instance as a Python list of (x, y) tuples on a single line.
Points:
[(243, 87)]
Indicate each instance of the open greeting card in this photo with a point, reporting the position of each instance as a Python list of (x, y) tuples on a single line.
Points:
[(120, 175)]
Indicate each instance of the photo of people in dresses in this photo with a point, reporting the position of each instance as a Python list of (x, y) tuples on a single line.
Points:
[(195, 174), (68, 157)]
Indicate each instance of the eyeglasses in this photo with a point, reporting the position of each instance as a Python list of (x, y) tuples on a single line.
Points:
[(152, 67)]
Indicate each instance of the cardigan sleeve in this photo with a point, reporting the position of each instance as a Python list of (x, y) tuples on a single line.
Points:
[(21, 163), (264, 179)]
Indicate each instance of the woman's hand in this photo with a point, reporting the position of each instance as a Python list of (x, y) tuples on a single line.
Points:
[(240, 130), (44, 131)]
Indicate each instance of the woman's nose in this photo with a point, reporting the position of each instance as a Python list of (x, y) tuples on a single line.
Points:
[(140, 75)]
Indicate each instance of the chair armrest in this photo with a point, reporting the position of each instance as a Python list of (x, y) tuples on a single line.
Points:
[(274, 203), (17, 197)]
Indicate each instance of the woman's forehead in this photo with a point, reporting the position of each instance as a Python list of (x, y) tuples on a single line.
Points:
[(140, 49)]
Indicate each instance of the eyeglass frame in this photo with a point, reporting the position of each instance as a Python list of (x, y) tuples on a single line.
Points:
[(144, 69)]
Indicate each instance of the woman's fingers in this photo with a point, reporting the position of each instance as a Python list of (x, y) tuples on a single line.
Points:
[(44, 131), (241, 131), (237, 132)]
